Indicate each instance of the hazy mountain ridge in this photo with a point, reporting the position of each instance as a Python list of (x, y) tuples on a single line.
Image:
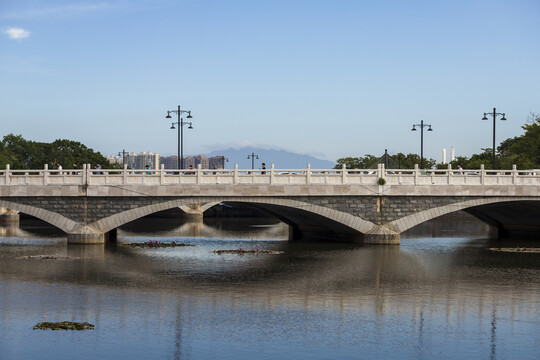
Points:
[(280, 158)]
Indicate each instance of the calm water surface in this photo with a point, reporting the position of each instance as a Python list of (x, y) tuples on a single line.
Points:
[(430, 298)]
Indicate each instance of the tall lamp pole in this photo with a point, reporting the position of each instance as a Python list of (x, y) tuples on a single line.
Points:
[(422, 126), (123, 157), (224, 160), (494, 114), (180, 123), (253, 157)]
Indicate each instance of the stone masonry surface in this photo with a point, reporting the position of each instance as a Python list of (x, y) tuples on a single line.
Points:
[(377, 209)]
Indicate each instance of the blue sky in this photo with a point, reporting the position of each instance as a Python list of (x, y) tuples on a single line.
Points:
[(325, 78)]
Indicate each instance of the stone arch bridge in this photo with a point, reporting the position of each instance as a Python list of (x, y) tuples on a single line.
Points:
[(349, 205)]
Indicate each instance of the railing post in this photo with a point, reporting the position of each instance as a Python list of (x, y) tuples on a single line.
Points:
[(514, 174), (161, 174), (344, 174), (46, 174), (84, 175), (272, 174), (416, 174), (235, 174), (199, 173), (380, 171), (7, 175), (449, 174), (482, 174), (88, 173), (308, 173), (124, 174)]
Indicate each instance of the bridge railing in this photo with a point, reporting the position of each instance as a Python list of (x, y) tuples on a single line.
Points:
[(272, 176)]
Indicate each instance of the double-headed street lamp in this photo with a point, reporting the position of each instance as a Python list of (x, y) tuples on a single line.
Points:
[(494, 114), (180, 123), (253, 157), (421, 125), (124, 156)]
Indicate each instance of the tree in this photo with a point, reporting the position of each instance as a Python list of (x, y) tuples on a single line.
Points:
[(398, 161), (24, 154), (524, 150)]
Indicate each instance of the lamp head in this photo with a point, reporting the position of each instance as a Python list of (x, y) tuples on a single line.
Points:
[(485, 117), (189, 115), (190, 127), (172, 126), (429, 128), (503, 118), (413, 128), (168, 115)]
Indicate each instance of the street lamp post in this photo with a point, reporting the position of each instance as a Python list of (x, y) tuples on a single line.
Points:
[(421, 125), (224, 160), (253, 157), (180, 123), (494, 114), (124, 160)]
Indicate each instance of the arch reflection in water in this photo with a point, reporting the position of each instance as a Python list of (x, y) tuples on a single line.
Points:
[(256, 228)]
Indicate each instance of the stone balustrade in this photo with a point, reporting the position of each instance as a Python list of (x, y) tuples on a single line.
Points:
[(272, 176)]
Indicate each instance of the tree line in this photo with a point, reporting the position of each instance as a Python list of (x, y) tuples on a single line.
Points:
[(522, 151), (20, 153)]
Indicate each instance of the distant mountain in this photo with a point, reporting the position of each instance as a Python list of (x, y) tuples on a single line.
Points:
[(280, 158)]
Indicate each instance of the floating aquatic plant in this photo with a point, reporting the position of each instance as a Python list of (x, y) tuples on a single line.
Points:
[(45, 257), (246, 251), (157, 244), (63, 325), (518, 249)]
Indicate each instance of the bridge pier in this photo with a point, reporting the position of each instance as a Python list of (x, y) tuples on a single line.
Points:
[(192, 211), (86, 235), (9, 216), (381, 236)]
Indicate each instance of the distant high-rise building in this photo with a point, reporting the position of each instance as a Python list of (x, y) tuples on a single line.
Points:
[(140, 160), (170, 162)]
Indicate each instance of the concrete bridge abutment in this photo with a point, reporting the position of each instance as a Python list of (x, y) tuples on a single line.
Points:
[(381, 236), (9, 216), (192, 212), (86, 235)]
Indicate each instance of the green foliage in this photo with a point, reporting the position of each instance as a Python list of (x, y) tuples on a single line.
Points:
[(522, 151), (475, 160), (25, 154), (398, 161), (381, 181)]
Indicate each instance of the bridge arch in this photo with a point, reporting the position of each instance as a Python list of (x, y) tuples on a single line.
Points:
[(336, 219), (55, 219), (475, 207)]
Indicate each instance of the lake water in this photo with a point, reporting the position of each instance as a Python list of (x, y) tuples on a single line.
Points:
[(443, 297)]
